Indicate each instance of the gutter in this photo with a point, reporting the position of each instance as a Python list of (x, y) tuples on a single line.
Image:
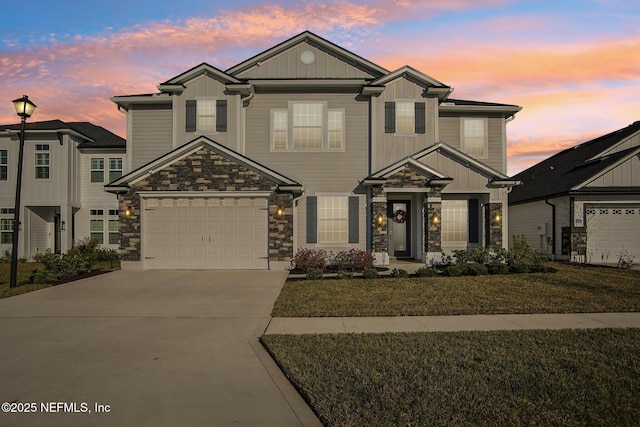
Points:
[(553, 228)]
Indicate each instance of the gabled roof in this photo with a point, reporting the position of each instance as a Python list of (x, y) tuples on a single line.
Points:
[(496, 178), (570, 168), (307, 36), (126, 181), (177, 83), (430, 84), (93, 136)]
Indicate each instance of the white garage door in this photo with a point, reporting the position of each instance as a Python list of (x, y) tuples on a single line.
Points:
[(612, 231), (205, 233)]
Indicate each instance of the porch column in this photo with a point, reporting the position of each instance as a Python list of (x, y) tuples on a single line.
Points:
[(493, 225), (378, 228), (433, 223)]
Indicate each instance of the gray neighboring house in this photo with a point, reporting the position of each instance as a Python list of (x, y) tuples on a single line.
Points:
[(308, 145), (65, 168), (583, 204)]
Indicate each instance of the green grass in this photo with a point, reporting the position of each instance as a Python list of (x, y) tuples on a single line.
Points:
[(509, 378), (572, 289), (25, 271)]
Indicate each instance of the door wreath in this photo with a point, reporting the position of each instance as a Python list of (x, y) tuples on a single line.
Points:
[(399, 216)]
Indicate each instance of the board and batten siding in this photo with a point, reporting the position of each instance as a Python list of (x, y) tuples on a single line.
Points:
[(626, 174), (151, 133), (632, 141), (288, 65), (391, 147)]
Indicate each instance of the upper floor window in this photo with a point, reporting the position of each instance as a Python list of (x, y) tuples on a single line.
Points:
[(206, 115), (474, 136), (115, 168), (307, 126), (42, 161), (3, 165), (97, 169), (405, 117)]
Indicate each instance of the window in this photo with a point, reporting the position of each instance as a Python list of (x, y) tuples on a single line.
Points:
[(3, 165), (405, 117), (115, 168), (97, 169), (307, 126), (454, 221), (97, 230), (6, 231), (279, 131), (333, 218), (113, 231), (474, 137), (206, 115), (42, 161)]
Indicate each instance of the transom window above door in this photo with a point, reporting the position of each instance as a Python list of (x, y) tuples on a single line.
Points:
[(307, 126)]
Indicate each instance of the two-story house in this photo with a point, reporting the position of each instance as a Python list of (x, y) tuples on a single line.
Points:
[(308, 145), (65, 168)]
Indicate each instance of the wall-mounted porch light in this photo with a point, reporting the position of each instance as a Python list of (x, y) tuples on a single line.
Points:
[(63, 226), (435, 219), (497, 219), (380, 219), (279, 212), (127, 212)]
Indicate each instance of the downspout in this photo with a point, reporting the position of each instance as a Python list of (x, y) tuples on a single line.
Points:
[(553, 229)]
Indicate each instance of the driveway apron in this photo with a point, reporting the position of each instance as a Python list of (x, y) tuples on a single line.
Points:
[(144, 348)]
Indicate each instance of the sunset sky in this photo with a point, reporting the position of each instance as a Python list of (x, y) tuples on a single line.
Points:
[(574, 66)]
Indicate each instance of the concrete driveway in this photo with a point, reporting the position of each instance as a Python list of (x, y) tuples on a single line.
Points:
[(146, 348)]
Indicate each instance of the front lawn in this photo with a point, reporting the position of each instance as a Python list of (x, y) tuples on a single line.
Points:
[(572, 289), (509, 378)]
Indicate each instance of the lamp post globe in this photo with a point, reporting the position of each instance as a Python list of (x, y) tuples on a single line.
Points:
[(24, 108)]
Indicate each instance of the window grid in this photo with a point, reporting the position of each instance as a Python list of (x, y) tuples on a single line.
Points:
[(115, 168), (307, 126), (336, 130), (3, 165), (280, 129), (42, 161), (474, 136), (113, 231), (455, 220), (6, 231), (405, 117), (206, 111), (333, 218), (97, 230), (97, 169)]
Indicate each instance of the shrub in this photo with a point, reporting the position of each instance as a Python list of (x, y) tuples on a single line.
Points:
[(427, 272), (306, 259), (497, 267), (453, 270), (399, 272), (57, 267), (352, 260), (524, 257), (474, 269), (370, 273), (344, 275), (314, 274)]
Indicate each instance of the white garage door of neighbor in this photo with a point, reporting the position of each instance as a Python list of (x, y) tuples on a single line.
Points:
[(611, 232), (205, 233)]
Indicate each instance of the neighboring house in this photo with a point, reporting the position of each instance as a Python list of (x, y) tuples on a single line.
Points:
[(65, 168), (583, 201), (308, 145)]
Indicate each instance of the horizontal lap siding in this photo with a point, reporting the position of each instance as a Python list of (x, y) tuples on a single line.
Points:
[(152, 133)]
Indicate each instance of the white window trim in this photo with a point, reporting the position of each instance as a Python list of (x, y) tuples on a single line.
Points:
[(35, 162), (199, 131), (325, 129), (344, 243), (91, 170), (108, 173), (413, 103), (6, 164), (463, 148)]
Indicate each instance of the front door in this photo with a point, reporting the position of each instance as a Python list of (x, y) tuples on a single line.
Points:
[(399, 228)]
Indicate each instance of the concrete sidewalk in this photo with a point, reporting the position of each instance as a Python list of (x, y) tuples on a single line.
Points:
[(335, 325)]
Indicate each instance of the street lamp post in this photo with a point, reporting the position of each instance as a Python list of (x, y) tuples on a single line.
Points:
[(24, 109)]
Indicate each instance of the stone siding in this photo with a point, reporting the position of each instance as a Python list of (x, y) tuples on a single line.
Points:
[(493, 225)]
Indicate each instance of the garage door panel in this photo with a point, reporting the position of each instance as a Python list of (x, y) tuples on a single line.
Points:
[(612, 232), (206, 233)]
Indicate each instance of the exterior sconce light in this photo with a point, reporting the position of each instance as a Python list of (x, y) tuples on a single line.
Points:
[(379, 219), (435, 219), (127, 212), (279, 212), (63, 226), (497, 218)]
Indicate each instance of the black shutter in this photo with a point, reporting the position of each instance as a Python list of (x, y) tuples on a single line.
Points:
[(389, 117), (221, 115), (191, 115), (312, 219), (354, 219), (420, 117), (474, 221)]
